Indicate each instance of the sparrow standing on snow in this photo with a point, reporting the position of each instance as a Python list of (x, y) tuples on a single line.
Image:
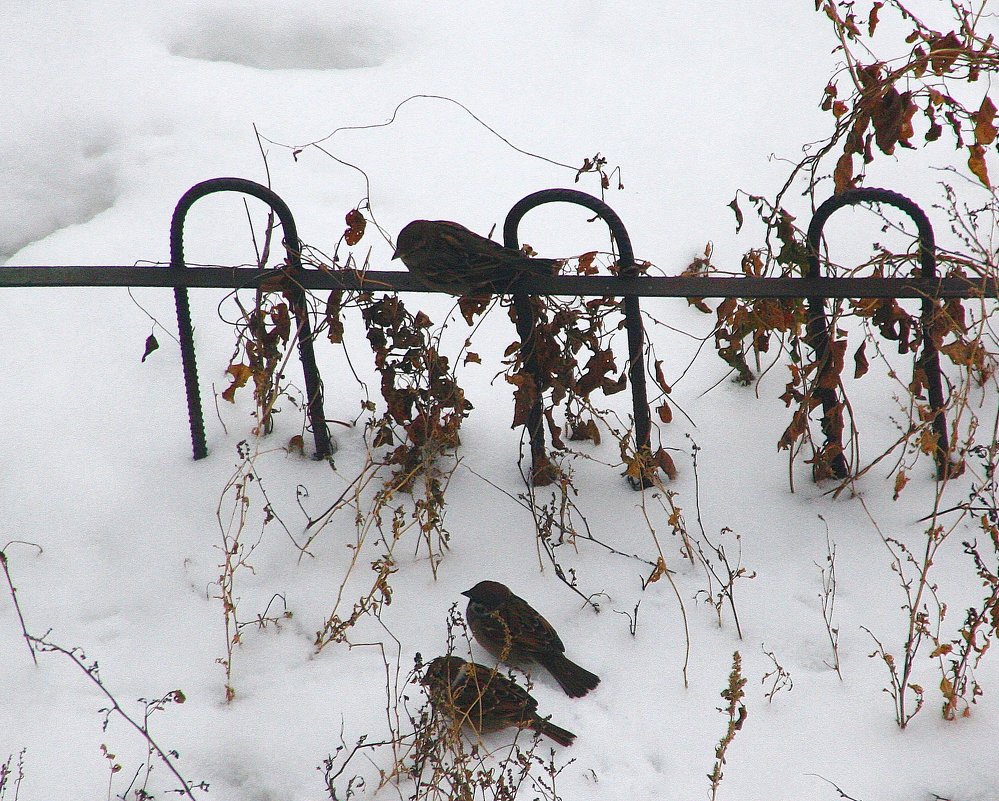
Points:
[(446, 256), (472, 694), (511, 630)]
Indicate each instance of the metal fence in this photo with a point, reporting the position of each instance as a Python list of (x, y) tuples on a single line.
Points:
[(628, 284)]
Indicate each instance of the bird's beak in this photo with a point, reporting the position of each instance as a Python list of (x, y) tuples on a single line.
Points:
[(466, 593), (395, 255)]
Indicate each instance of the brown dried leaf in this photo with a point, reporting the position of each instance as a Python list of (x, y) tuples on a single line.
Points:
[(843, 174), (596, 370), (586, 266), (944, 51), (587, 430), (892, 119), (901, 479), (151, 345), (985, 129), (665, 412), (934, 131), (828, 378), (523, 397), (657, 572), (725, 309), (962, 353), (665, 463), (355, 227), (612, 387), (860, 361), (281, 320), (976, 163), (799, 425), (828, 95), (240, 373), (928, 441), (333, 305), (471, 306), (661, 379), (734, 205), (872, 18), (472, 358)]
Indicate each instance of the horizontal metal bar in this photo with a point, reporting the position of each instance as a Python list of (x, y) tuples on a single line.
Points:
[(572, 285)]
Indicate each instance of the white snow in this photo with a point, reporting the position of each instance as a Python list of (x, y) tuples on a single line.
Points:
[(111, 530)]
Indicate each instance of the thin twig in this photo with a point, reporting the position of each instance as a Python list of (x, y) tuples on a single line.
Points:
[(91, 671), (13, 593)]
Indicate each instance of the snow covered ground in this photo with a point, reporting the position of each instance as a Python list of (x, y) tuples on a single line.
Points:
[(112, 533)]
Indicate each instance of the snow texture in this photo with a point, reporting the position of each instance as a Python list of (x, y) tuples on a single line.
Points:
[(112, 532)]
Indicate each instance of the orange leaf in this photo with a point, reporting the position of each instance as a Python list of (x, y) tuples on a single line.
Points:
[(843, 175), (985, 129), (355, 227), (665, 412), (976, 163), (901, 479), (586, 263), (665, 462), (240, 373)]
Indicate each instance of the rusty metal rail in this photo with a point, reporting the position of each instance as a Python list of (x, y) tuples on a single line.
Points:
[(296, 280)]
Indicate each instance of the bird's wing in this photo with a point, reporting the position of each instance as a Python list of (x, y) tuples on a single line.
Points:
[(533, 633)]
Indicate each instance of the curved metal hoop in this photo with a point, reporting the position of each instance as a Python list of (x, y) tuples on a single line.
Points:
[(313, 383), (818, 327), (632, 313)]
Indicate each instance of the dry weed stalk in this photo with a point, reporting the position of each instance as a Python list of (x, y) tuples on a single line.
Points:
[(234, 512), (827, 575), (13, 593), (960, 656), (726, 571), (9, 774), (677, 525), (733, 693), (166, 757), (781, 678)]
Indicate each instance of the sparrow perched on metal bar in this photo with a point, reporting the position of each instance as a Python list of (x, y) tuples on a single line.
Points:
[(447, 256), (512, 631), (485, 700)]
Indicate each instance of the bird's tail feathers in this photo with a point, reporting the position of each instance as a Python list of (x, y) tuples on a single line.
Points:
[(576, 681), (553, 732)]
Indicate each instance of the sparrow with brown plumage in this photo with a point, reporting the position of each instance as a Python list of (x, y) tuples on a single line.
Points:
[(472, 694), (447, 256), (512, 631)]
